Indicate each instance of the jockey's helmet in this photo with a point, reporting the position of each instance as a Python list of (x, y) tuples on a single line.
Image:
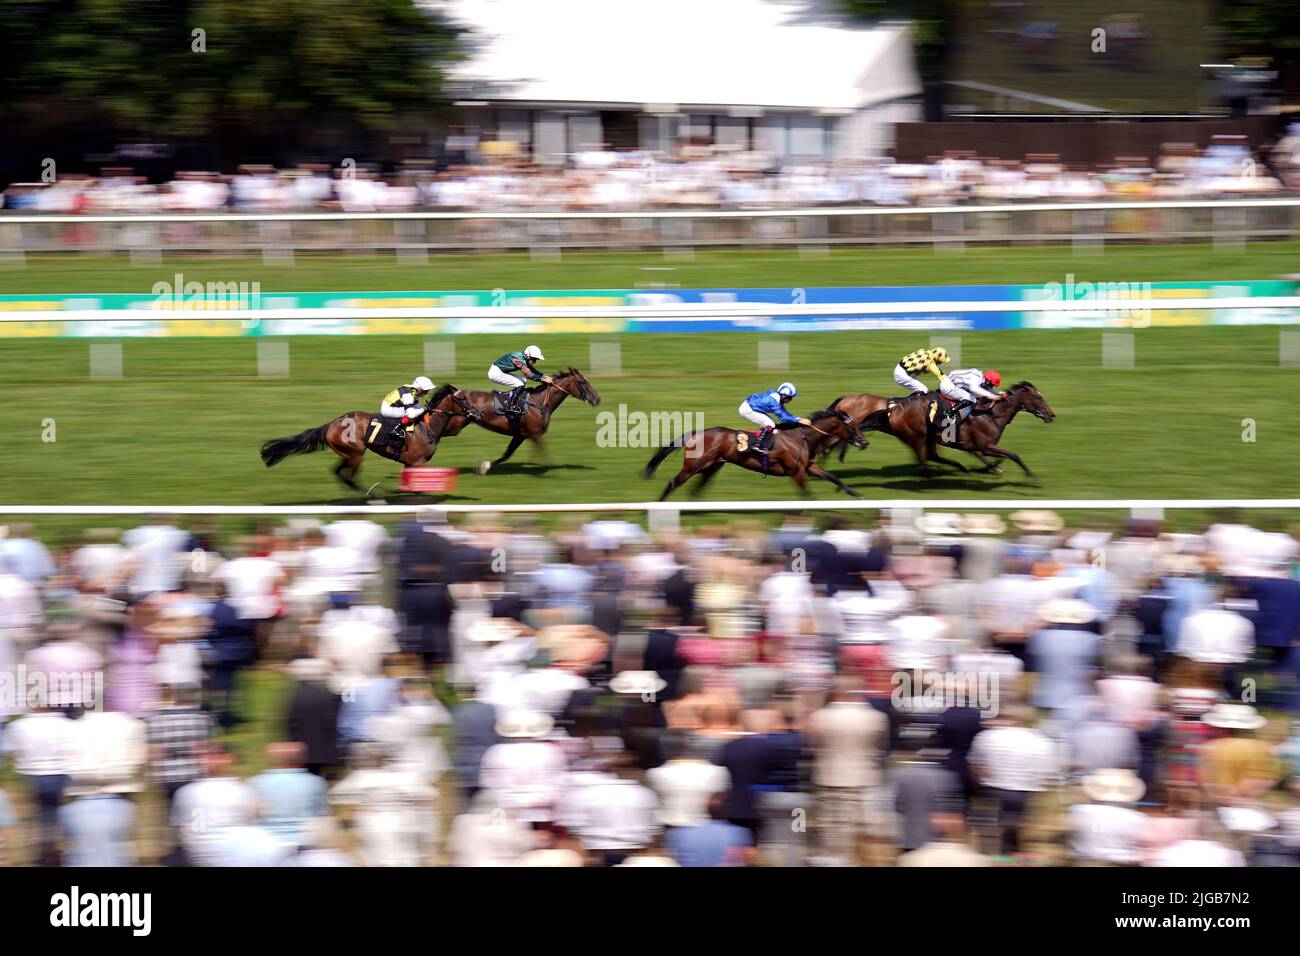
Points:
[(534, 353), (787, 390), (992, 377), (422, 384)]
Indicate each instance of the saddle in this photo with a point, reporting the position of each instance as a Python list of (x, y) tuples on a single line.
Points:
[(383, 433), (503, 403)]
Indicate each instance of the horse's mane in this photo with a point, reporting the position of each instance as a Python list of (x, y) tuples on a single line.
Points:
[(826, 412), (1021, 385)]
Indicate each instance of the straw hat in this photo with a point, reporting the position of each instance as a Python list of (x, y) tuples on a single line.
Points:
[(983, 524), (1228, 716), (1068, 611), (1114, 786), (1037, 521), (524, 724), (637, 682)]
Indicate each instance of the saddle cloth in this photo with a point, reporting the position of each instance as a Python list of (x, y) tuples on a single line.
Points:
[(501, 404), (380, 434)]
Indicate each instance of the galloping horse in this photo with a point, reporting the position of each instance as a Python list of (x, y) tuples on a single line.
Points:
[(530, 426), (792, 452), (908, 420), (346, 436)]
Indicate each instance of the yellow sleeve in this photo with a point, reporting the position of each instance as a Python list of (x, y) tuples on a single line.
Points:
[(933, 369)]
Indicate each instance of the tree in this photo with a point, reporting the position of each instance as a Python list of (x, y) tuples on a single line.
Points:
[(932, 37), (236, 74)]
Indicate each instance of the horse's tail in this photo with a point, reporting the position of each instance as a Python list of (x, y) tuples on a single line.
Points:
[(681, 441), (877, 421), (278, 449)]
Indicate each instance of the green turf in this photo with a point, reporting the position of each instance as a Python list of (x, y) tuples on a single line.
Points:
[(184, 424), (708, 269)]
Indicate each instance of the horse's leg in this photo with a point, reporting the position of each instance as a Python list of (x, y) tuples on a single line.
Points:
[(817, 471), (933, 450), (920, 450), (997, 452), (706, 475), (990, 466), (677, 480), (347, 469), (510, 449)]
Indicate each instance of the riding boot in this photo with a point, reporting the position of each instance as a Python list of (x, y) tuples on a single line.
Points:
[(763, 445)]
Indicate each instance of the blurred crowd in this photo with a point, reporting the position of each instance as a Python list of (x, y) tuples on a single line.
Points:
[(694, 177), (918, 689)]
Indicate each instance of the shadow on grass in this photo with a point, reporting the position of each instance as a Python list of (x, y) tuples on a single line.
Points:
[(942, 478), (530, 468)]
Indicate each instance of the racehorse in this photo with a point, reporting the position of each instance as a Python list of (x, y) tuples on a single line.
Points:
[(347, 437), (908, 420), (792, 454), (543, 400), (857, 407)]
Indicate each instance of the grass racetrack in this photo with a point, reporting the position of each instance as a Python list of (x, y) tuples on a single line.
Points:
[(184, 424)]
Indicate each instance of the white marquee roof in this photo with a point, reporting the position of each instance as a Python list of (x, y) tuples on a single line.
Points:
[(756, 53)]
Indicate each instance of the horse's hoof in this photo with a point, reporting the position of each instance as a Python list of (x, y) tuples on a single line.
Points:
[(483, 467)]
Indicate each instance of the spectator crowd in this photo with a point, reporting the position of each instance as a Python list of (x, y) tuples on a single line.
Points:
[(928, 689), (693, 177)]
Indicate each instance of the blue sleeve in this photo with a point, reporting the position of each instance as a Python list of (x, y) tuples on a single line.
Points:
[(780, 412)]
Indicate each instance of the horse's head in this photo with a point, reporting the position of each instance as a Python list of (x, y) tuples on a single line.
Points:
[(572, 382), (1032, 401), (839, 424)]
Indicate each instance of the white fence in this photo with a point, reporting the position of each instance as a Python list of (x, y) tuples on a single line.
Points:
[(423, 232)]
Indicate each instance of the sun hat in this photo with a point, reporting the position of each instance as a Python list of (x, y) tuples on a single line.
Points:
[(637, 682), (524, 724), (1114, 786), (1228, 716), (1068, 611)]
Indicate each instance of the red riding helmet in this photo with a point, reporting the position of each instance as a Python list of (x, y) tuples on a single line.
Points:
[(992, 377)]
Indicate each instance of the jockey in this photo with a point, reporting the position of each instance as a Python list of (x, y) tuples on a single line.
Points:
[(968, 385), (506, 370), (406, 402), (762, 408), (914, 363)]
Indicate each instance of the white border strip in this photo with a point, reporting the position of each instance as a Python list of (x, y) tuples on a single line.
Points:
[(883, 504), (861, 211), (659, 313)]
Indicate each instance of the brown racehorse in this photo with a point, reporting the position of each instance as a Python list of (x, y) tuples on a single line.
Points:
[(978, 434), (530, 426), (857, 407), (792, 454), (346, 437)]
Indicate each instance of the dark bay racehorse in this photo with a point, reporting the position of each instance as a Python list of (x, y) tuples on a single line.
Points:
[(792, 454), (346, 436), (543, 400), (908, 420)]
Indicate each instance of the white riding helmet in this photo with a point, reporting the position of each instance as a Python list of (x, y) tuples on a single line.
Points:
[(787, 389), (422, 384), (534, 353)]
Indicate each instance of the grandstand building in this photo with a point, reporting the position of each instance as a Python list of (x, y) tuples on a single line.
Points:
[(783, 77)]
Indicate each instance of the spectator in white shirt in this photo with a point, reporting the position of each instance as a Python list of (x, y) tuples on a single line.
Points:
[(1013, 762)]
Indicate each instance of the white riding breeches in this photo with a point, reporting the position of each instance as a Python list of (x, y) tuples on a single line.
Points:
[(904, 379), (949, 389), (758, 418), (502, 378)]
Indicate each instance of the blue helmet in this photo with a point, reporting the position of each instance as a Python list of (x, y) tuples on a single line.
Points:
[(787, 389)]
